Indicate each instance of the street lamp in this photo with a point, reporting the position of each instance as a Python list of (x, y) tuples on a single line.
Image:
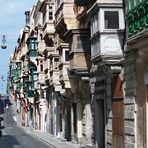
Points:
[(3, 46)]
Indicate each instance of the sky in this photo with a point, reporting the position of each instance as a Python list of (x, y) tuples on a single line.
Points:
[(12, 20)]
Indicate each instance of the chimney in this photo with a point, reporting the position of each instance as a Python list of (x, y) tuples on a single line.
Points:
[(27, 20)]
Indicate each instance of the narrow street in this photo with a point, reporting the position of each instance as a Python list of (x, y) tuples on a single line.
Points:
[(14, 137)]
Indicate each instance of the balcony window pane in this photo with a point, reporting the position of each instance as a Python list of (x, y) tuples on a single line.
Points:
[(41, 67), (50, 15), (66, 55), (111, 19), (82, 42), (58, 3), (33, 45), (50, 7), (32, 53), (95, 24), (95, 46)]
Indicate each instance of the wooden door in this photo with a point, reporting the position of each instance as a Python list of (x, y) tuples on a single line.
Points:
[(118, 113)]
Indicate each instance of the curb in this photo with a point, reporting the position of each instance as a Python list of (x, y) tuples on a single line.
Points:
[(31, 133), (41, 139)]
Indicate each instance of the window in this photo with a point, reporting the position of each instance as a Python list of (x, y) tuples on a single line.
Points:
[(45, 56), (56, 63), (95, 23), (82, 42), (50, 7), (33, 45), (50, 15), (41, 67), (95, 46), (32, 53), (111, 19), (66, 55), (58, 2)]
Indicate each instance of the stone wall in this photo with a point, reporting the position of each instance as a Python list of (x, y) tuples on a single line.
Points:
[(108, 110), (129, 100)]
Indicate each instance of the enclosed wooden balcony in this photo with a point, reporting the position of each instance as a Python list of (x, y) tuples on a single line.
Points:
[(64, 64), (79, 53), (63, 75), (65, 18)]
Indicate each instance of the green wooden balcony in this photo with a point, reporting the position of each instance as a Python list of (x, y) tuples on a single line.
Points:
[(32, 53), (30, 93)]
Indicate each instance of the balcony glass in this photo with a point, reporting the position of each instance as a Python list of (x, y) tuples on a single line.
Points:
[(50, 15), (66, 55), (95, 46), (32, 53), (95, 23), (111, 19)]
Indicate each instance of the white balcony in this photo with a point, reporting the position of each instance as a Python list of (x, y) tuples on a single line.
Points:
[(107, 32), (107, 45)]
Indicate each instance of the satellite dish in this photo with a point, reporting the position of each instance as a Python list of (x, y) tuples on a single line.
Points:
[(3, 46)]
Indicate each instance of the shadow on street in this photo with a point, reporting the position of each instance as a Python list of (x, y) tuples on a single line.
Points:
[(8, 141)]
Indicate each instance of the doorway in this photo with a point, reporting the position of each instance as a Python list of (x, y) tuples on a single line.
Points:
[(99, 124), (118, 113)]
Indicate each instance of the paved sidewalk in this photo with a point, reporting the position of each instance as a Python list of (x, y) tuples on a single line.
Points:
[(51, 140)]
